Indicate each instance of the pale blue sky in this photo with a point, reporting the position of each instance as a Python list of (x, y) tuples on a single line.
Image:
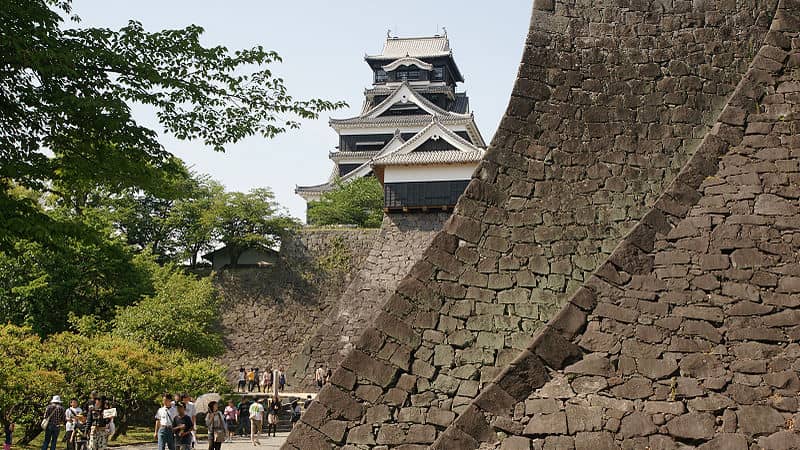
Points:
[(323, 44)]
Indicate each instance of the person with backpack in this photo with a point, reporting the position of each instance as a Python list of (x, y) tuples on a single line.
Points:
[(164, 417), (71, 415), (54, 417)]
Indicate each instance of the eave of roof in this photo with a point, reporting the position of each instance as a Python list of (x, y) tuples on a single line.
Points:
[(430, 157)]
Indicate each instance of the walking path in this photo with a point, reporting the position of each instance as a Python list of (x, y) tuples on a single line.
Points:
[(239, 443)]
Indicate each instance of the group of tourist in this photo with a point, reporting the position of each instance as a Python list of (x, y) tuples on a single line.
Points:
[(176, 423), (248, 417), (322, 376), (253, 380), (87, 427)]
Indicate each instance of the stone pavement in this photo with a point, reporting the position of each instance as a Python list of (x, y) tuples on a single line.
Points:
[(239, 443)]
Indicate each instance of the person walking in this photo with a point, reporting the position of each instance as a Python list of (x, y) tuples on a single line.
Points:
[(256, 378), (328, 376), (182, 427), (71, 415), (54, 417), (295, 412), (231, 417), (281, 379), (265, 381), (8, 431), (191, 411), (240, 387), (251, 376), (270, 379), (256, 421), (275, 407), (319, 377), (244, 417), (98, 425), (217, 427), (163, 432)]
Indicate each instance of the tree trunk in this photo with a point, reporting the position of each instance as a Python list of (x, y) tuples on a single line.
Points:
[(31, 431)]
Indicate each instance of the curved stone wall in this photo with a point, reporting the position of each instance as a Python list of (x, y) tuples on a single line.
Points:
[(687, 336), (612, 99), (269, 313), (400, 243)]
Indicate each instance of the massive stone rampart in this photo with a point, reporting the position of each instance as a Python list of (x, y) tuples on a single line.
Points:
[(269, 313), (400, 243), (687, 336), (612, 99)]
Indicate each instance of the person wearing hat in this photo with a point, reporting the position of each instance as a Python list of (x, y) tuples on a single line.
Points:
[(54, 417)]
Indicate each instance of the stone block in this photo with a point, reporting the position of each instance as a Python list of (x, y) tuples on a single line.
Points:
[(547, 424)]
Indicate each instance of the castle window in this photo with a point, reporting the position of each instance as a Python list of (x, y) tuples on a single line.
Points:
[(409, 75), (381, 76), (438, 73)]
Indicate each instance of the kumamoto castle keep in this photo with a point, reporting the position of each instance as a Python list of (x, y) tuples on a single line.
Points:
[(618, 269), (415, 131)]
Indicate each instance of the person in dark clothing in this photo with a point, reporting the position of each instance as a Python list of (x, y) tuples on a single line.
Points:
[(273, 410), (244, 417), (256, 378), (55, 415), (8, 430), (182, 426), (97, 425)]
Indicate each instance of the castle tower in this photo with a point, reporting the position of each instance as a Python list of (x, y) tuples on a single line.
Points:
[(415, 132)]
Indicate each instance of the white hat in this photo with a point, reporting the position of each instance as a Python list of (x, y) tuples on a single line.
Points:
[(56, 399)]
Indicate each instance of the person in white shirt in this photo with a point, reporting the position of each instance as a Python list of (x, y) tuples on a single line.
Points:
[(319, 377), (71, 414), (163, 432), (256, 421)]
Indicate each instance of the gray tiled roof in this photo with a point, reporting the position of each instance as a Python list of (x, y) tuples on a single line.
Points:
[(399, 120), (418, 47), (437, 157), (352, 154)]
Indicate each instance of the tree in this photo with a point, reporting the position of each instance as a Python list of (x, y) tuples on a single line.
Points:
[(92, 275), (251, 220), (358, 202), (130, 373), (193, 220), (64, 114), (182, 314)]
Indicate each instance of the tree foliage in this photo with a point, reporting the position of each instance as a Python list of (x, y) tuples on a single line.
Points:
[(183, 313), (251, 220), (358, 202), (130, 373), (64, 114)]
